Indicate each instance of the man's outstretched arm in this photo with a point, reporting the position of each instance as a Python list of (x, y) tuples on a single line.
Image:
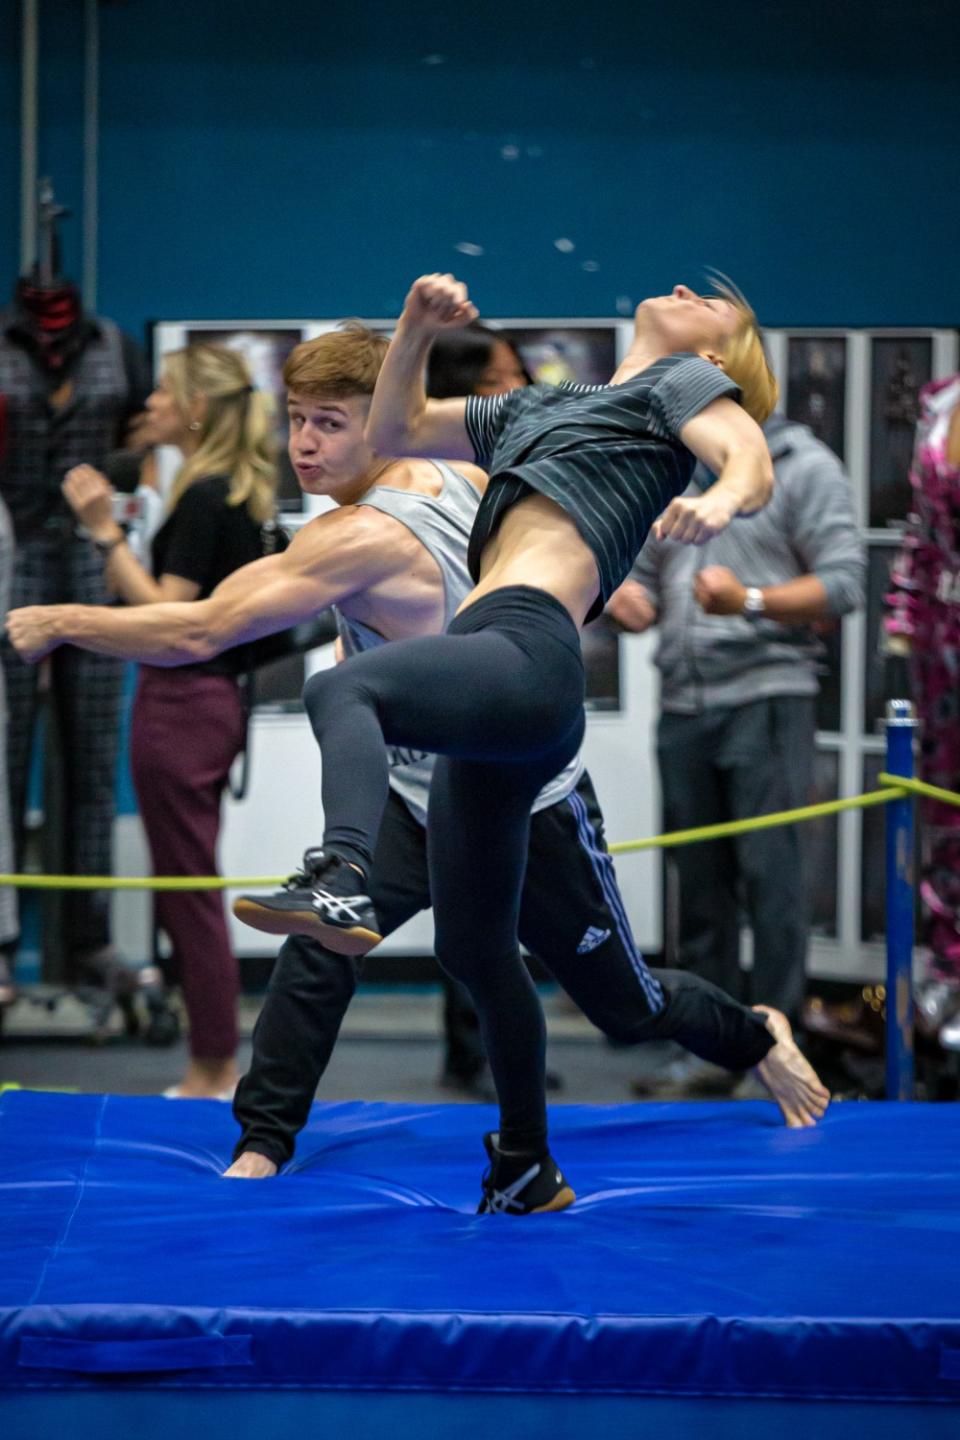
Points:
[(330, 558), (402, 420)]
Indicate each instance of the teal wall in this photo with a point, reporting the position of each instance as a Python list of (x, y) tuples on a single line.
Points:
[(291, 159)]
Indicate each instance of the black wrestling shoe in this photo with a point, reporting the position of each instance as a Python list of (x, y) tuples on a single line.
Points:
[(324, 900), (521, 1185)]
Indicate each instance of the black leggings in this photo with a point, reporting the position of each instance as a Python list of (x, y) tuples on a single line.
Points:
[(499, 699)]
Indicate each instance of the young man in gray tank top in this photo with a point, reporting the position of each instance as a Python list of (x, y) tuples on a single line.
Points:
[(390, 558)]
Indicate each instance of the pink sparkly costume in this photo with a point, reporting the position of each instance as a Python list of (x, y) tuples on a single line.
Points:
[(924, 603)]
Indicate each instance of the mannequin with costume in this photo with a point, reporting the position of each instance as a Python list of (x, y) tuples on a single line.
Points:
[(923, 623), (71, 383)]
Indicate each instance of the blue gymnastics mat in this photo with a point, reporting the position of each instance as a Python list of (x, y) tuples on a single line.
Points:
[(712, 1257)]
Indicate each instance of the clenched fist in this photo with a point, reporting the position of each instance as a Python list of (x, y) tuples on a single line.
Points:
[(694, 521), (631, 607), (32, 631), (90, 496), (718, 591), (438, 302)]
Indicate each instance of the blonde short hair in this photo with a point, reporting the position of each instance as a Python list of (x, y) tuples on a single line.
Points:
[(342, 363), (745, 358)]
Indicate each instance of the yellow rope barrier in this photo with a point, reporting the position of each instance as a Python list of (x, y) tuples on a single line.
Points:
[(919, 787), (759, 822), (141, 882), (898, 785)]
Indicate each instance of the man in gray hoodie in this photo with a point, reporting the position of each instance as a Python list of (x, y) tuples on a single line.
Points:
[(738, 658)]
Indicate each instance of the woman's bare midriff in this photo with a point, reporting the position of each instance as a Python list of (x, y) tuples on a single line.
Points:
[(538, 544)]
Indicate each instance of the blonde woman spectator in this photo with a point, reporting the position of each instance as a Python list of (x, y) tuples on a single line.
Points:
[(188, 722)]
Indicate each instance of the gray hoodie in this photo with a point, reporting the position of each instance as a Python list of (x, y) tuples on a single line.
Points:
[(808, 528)]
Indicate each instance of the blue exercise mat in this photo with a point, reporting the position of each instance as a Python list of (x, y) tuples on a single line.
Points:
[(711, 1252)]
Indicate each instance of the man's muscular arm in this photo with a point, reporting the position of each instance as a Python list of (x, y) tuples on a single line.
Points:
[(732, 445), (330, 559), (402, 420)]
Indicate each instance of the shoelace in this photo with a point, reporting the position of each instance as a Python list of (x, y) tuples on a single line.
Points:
[(299, 880)]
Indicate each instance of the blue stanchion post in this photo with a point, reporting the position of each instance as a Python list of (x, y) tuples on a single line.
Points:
[(901, 726)]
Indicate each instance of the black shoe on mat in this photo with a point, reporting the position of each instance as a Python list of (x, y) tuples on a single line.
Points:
[(324, 900), (521, 1184)]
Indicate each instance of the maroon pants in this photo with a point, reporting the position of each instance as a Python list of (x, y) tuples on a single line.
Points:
[(186, 731)]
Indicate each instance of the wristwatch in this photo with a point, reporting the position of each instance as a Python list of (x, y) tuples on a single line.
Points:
[(105, 547), (753, 606)]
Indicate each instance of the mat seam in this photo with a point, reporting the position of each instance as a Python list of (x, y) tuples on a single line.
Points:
[(76, 1205)]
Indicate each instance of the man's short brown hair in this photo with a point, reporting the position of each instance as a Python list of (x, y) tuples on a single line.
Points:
[(344, 362)]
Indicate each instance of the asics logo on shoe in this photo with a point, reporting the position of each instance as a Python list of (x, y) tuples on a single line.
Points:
[(499, 1201), (593, 937), (336, 908)]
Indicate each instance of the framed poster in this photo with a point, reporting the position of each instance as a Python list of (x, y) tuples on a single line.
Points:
[(817, 386), (557, 351), (899, 366), (265, 351)]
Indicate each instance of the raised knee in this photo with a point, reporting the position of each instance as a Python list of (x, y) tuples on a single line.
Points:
[(318, 690), (318, 684)]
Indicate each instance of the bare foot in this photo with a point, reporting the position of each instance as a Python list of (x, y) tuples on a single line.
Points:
[(792, 1082), (206, 1080), (251, 1166)]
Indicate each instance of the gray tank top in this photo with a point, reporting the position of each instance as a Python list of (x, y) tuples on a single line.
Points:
[(442, 524)]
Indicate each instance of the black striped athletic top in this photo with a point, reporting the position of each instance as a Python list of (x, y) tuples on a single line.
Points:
[(609, 455)]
